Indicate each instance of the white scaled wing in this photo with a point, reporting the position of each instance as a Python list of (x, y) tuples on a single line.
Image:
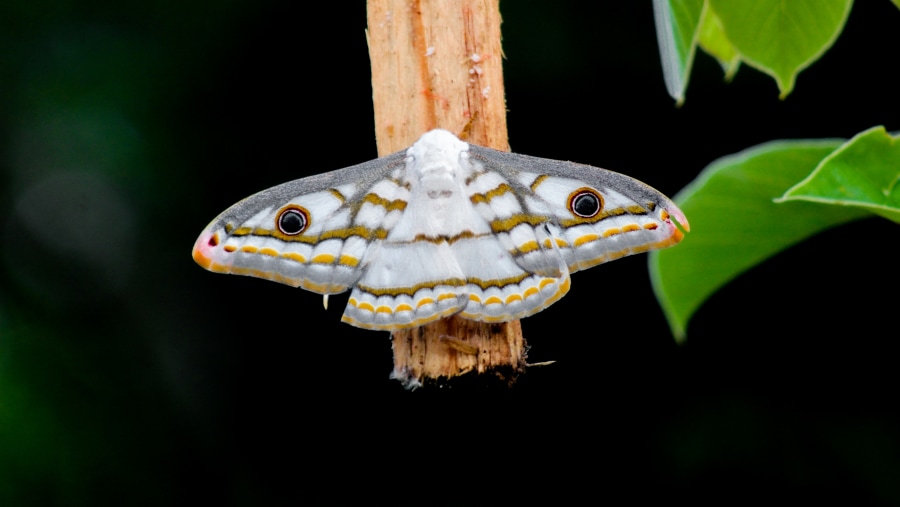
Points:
[(586, 214), (311, 233), (442, 228)]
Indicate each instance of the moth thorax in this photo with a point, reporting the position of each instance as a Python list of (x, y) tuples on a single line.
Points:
[(437, 151), (438, 183)]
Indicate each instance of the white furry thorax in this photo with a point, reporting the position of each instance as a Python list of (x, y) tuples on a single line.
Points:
[(437, 153)]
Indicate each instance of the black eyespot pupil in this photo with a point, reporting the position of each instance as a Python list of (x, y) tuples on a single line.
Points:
[(586, 205), (292, 222)]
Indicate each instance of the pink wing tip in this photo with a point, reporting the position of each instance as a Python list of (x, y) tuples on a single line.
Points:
[(204, 244), (679, 217)]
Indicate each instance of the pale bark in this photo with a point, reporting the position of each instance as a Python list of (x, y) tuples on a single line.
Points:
[(438, 64)]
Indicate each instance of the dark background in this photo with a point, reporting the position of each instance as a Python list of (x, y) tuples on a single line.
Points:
[(129, 375)]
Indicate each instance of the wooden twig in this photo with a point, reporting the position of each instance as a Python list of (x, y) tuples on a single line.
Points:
[(438, 64)]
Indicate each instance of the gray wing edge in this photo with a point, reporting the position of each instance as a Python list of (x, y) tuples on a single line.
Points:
[(364, 175), (516, 163)]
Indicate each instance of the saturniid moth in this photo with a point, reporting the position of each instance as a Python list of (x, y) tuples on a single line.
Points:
[(442, 228)]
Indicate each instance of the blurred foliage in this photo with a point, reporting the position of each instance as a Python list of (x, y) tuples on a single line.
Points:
[(778, 38), (856, 179), (862, 173), (719, 203)]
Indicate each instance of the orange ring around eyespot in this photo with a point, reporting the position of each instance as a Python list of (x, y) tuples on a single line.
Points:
[(582, 191), (300, 210)]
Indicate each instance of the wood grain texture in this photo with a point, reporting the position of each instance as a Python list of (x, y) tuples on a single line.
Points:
[(438, 64)]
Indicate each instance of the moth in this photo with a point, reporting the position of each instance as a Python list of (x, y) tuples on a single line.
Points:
[(442, 228)]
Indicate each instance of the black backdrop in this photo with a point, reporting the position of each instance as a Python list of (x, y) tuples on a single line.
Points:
[(130, 375)]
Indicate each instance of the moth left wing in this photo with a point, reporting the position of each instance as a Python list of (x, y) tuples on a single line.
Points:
[(312, 232), (580, 214)]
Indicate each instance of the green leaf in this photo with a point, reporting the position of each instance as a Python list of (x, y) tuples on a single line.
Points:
[(897, 3), (781, 37), (712, 39), (864, 172), (735, 224), (676, 30)]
